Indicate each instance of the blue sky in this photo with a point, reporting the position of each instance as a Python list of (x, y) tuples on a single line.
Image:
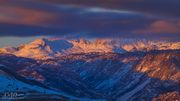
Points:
[(24, 20), (16, 41)]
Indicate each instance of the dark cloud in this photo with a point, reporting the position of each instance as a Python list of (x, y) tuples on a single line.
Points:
[(165, 8), (95, 18)]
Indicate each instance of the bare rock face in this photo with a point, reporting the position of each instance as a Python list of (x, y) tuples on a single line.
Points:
[(163, 66), (170, 96)]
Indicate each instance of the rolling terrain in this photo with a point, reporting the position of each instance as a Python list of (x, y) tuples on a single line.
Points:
[(113, 70)]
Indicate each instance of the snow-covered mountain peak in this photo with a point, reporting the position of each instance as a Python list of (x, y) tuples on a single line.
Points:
[(41, 42), (98, 45), (49, 48), (53, 44), (8, 49), (43, 48)]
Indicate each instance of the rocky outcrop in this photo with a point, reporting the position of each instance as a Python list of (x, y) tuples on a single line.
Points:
[(170, 96)]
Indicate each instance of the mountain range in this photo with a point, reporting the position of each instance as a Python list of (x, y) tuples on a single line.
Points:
[(52, 47), (88, 70)]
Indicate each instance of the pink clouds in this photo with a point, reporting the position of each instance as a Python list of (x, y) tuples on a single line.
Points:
[(165, 27), (161, 26), (90, 18), (20, 15)]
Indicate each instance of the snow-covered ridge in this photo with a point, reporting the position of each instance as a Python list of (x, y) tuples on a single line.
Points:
[(22, 90), (49, 48)]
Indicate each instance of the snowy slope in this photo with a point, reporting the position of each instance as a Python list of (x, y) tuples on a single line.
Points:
[(129, 76), (21, 90)]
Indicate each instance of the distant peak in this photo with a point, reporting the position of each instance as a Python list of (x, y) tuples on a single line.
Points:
[(49, 47), (40, 41)]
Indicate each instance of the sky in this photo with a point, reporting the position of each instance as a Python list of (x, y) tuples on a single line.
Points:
[(25, 20)]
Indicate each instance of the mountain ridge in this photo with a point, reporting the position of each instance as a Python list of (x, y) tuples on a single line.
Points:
[(50, 48), (112, 76)]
